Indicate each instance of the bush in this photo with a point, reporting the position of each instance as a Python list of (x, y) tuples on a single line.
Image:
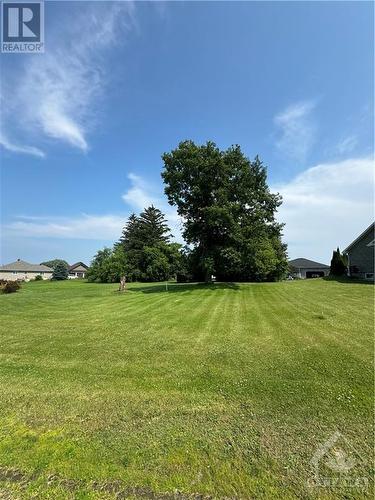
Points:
[(38, 278), (10, 287)]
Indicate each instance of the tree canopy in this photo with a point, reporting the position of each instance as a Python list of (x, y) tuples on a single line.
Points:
[(228, 212)]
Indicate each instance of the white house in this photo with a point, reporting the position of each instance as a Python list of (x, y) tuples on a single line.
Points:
[(77, 270)]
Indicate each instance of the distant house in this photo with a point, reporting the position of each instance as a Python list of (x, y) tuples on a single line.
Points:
[(305, 268), (78, 270), (360, 255), (24, 271)]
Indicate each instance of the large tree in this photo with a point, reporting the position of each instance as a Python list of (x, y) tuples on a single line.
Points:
[(108, 266), (228, 212), (146, 243)]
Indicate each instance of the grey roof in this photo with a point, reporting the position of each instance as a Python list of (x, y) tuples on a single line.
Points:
[(365, 232), (306, 263), (73, 266), (21, 265)]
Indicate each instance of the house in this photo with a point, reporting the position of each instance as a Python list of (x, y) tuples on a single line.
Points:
[(78, 270), (360, 254), (305, 268), (24, 271)]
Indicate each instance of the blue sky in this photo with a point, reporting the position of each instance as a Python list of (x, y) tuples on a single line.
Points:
[(83, 126)]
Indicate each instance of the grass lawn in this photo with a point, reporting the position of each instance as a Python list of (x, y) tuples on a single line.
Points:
[(223, 390)]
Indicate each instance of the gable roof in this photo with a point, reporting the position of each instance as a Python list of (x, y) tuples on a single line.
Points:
[(306, 263), (362, 235), (73, 266), (21, 265)]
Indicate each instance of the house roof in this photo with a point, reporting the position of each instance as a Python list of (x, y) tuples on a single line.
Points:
[(365, 232), (73, 266), (21, 265), (302, 263)]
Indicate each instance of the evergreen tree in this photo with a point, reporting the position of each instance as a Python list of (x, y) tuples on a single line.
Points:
[(228, 212), (131, 236), (153, 227), (60, 271), (145, 242), (338, 264)]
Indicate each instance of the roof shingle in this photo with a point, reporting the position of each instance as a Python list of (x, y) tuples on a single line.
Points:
[(306, 263), (21, 265)]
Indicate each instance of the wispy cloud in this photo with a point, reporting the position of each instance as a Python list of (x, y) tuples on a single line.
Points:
[(15, 148), (325, 206), (84, 226), (347, 144), (56, 93), (296, 130), (96, 227)]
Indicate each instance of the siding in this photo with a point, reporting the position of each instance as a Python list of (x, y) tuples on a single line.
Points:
[(361, 256)]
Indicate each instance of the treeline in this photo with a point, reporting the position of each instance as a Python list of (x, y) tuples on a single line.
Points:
[(229, 224)]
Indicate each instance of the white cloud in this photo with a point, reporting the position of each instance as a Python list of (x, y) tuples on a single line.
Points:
[(347, 144), (96, 227), (139, 194), (327, 206), (84, 226), (15, 148), (296, 130), (56, 93)]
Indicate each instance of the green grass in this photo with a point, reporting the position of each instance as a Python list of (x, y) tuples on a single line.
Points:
[(223, 390)]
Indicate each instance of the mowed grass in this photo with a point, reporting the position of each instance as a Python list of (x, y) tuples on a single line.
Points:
[(223, 390)]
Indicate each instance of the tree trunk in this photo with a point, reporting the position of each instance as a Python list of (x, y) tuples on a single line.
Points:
[(122, 287)]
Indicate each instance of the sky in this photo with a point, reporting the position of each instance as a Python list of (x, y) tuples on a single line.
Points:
[(84, 125)]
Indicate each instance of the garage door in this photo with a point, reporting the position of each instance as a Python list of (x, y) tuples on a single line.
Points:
[(314, 274)]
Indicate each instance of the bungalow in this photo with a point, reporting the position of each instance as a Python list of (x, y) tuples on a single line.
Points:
[(360, 254), (305, 268), (78, 270), (24, 271)]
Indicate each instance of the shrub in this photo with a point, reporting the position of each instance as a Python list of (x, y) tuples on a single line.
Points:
[(10, 287), (38, 277)]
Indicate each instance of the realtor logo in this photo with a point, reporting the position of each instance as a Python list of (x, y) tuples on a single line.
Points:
[(22, 27), (337, 464)]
